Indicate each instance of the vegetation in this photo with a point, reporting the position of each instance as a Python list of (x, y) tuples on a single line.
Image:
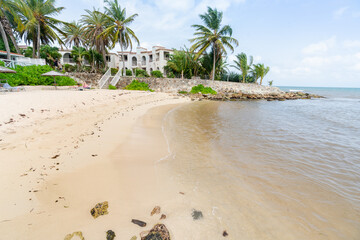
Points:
[(201, 89), (213, 35), (260, 71), (31, 75), (271, 83), (136, 85), (140, 73), (157, 74), (243, 64), (111, 87), (183, 92)]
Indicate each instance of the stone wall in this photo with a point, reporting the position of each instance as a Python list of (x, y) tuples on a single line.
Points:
[(174, 85), (89, 78)]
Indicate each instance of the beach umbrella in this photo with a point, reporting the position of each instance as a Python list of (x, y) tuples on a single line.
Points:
[(53, 74), (6, 70)]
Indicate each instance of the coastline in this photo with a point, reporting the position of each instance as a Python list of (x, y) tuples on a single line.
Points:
[(57, 163)]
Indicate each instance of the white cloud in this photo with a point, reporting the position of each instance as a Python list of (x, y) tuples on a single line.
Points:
[(339, 12), (257, 58), (320, 47), (351, 44)]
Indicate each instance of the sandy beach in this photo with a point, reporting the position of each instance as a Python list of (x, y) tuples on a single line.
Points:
[(62, 152)]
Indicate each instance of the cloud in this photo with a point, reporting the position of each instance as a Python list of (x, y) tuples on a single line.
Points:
[(320, 47), (257, 58), (351, 44), (339, 12)]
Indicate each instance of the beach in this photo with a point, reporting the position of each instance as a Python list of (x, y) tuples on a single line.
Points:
[(253, 169), (62, 152)]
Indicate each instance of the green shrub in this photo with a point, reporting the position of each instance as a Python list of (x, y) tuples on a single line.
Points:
[(136, 85), (69, 68), (201, 89), (171, 75), (183, 92), (114, 71), (2, 63), (128, 72), (141, 73), (87, 69), (111, 87), (31, 75), (157, 74)]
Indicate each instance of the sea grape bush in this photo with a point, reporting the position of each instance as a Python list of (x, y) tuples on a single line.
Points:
[(31, 75), (136, 85), (201, 89)]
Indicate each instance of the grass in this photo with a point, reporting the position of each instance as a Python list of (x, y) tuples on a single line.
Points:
[(111, 87)]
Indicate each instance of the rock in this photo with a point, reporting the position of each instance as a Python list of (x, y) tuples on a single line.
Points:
[(110, 235), (163, 216), (78, 234), (156, 210), (158, 232), (196, 214), (138, 222), (225, 234), (100, 209)]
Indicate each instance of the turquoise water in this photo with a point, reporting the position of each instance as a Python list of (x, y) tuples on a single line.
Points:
[(275, 170), (328, 92)]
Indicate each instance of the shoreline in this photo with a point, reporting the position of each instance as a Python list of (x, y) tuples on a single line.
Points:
[(56, 174)]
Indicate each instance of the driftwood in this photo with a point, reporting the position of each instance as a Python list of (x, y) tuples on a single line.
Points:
[(138, 222)]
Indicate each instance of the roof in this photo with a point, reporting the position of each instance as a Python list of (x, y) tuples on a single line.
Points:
[(6, 70), (53, 73), (128, 52), (11, 53)]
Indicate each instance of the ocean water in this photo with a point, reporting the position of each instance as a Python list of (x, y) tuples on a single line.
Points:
[(272, 170)]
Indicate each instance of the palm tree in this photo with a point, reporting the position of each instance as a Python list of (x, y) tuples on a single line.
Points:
[(118, 29), (38, 24), (74, 34), (178, 62), (79, 53), (7, 6), (94, 58), (260, 71), (95, 23), (242, 64), (213, 35)]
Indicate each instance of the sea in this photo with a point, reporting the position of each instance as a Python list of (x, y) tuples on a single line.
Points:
[(272, 170)]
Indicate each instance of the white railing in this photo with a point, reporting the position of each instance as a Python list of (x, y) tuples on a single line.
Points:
[(23, 62), (103, 80), (116, 78)]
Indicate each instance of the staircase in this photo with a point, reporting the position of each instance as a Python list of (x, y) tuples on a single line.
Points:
[(107, 79)]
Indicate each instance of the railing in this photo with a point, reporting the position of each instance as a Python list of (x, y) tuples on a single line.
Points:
[(116, 78), (23, 62), (103, 80)]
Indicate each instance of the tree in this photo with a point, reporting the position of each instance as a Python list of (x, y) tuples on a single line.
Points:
[(178, 62), (243, 64), (79, 53), (212, 35), (94, 58), (38, 24), (50, 54), (74, 34), (260, 71), (5, 6), (118, 29), (95, 23)]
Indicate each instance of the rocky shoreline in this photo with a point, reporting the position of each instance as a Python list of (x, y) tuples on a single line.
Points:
[(226, 96)]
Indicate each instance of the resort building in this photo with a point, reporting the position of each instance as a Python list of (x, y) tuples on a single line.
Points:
[(18, 59), (156, 59)]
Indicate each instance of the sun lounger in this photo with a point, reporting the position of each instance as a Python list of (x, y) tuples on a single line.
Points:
[(12, 89)]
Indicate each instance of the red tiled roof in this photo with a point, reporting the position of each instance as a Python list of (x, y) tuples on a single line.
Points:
[(11, 53)]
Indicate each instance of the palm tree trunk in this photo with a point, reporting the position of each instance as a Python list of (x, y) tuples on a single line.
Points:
[(6, 43), (261, 80), (243, 77), (38, 40), (103, 52), (214, 61), (122, 56), (182, 74), (8, 30)]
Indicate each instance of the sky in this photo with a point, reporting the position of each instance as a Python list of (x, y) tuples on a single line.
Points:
[(304, 42)]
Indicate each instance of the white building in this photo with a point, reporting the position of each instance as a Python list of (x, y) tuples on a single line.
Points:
[(19, 59), (156, 59)]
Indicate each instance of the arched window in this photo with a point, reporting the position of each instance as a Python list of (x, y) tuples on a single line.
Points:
[(143, 60), (67, 58), (134, 61)]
